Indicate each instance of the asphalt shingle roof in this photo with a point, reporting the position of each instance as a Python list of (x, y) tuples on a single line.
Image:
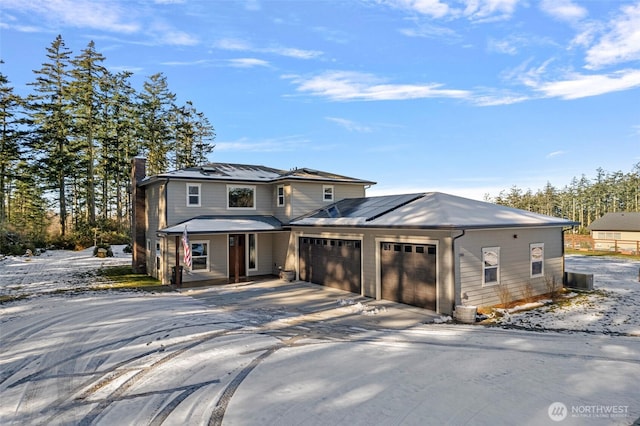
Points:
[(621, 221)]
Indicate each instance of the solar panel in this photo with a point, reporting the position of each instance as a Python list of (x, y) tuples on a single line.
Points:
[(368, 208)]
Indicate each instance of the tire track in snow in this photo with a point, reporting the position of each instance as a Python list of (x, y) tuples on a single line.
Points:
[(223, 402), (130, 382)]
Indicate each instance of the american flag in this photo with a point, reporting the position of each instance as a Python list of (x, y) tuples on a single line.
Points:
[(186, 247)]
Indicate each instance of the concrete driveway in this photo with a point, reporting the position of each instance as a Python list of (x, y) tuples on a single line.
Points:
[(276, 353), (276, 303)]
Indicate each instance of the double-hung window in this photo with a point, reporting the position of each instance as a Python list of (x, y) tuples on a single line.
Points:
[(193, 194), (536, 252), (491, 265), (327, 193), (280, 195)]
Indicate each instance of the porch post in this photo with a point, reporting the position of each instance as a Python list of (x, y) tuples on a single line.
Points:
[(236, 262)]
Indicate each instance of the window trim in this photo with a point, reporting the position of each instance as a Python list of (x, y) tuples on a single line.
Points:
[(280, 200), (533, 246), (485, 251), (324, 193), (207, 257), (255, 241), (251, 187), (194, 185)]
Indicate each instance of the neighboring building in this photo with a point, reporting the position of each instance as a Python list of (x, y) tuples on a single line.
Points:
[(617, 232), (431, 250)]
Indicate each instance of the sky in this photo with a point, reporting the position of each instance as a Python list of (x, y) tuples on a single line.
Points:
[(467, 97)]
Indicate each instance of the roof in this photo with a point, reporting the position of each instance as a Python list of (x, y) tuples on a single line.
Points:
[(224, 225), (251, 173), (432, 210), (621, 221)]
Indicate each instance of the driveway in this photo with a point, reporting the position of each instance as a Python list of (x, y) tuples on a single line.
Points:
[(295, 353)]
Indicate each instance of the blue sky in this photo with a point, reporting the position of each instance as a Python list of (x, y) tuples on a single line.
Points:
[(468, 97)]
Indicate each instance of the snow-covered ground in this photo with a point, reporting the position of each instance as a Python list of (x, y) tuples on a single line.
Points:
[(614, 306), (171, 358), (54, 270)]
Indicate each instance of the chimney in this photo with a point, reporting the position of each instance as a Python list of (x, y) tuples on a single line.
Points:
[(138, 220)]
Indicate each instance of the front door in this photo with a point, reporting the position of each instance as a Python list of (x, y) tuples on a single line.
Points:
[(236, 257)]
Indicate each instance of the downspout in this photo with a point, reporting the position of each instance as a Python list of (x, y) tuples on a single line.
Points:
[(453, 257)]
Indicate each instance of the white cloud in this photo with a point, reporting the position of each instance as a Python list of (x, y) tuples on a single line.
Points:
[(105, 16), (433, 8), (489, 10), (474, 10), (291, 52), (176, 38), (283, 144), (248, 63), (356, 86), (555, 154), (564, 10), (244, 46), (577, 86), (621, 43), (351, 126)]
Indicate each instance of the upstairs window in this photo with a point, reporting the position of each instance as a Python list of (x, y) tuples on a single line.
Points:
[(241, 197), (193, 194), (537, 259), (491, 266), (280, 195), (327, 193)]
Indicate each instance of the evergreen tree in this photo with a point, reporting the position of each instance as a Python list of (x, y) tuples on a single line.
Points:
[(85, 91), (156, 110), (10, 143), (50, 108), (193, 137)]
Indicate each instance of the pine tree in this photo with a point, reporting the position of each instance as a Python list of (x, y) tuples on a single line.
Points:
[(193, 137), (50, 111), (10, 143), (85, 91), (156, 109)]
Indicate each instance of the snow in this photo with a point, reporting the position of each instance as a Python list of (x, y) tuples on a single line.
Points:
[(613, 308), (238, 355)]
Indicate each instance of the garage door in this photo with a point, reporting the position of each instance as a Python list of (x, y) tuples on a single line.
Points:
[(331, 262), (408, 273)]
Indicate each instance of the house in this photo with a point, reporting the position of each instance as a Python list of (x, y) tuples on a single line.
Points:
[(617, 232), (431, 250), (235, 216)]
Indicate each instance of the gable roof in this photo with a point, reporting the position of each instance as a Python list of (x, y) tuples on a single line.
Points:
[(432, 210), (621, 221), (251, 173)]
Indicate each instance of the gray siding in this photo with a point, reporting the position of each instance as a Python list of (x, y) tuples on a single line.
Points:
[(306, 197), (213, 201), (514, 263)]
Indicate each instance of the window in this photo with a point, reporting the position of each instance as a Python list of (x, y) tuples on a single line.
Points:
[(193, 194), (199, 256), (241, 197), (280, 195), (490, 265), (253, 251), (537, 259), (327, 192)]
